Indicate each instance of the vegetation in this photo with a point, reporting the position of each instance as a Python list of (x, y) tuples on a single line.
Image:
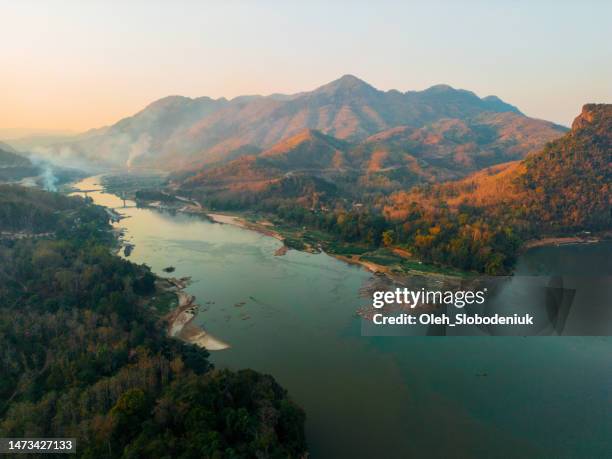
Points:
[(11, 159), (14, 166), (83, 354), (480, 222)]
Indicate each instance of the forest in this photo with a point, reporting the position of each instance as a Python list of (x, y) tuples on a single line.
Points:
[(84, 354)]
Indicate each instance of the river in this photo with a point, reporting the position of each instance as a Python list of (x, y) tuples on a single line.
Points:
[(294, 317)]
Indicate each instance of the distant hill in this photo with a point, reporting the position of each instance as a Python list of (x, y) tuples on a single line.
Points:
[(10, 158), (177, 132), (14, 166), (308, 154), (6, 147), (387, 161)]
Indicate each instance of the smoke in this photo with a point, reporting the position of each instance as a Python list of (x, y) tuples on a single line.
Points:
[(62, 156), (49, 179), (139, 148), (47, 175), (96, 153)]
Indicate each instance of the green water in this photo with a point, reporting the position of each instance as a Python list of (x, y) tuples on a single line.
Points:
[(382, 397)]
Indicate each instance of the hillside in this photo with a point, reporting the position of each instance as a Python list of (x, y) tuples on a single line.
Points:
[(177, 132), (14, 167), (462, 146), (388, 161), (478, 222), (10, 158), (568, 181), (307, 151), (7, 148), (290, 170)]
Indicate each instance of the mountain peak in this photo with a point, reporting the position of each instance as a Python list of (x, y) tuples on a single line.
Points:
[(440, 88), (352, 80), (592, 114), (304, 136), (347, 84)]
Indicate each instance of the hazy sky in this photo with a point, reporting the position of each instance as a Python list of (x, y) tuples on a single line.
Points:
[(77, 65)]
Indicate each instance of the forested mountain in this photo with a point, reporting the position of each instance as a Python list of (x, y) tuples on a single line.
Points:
[(308, 152), (177, 132), (387, 161), (477, 222), (7, 148), (14, 166), (10, 158), (83, 352)]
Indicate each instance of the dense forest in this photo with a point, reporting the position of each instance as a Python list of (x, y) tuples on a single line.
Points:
[(83, 353)]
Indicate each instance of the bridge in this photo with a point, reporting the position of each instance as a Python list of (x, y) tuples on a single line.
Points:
[(94, 190)]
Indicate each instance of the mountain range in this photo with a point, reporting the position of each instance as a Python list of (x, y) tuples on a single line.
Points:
[(177, 133), (13, 166)]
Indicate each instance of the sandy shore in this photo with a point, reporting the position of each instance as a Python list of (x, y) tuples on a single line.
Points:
[(387, 271), (180, 320), (356, 260), (195, 335), (262, 228), (282, 250), (560, 241)]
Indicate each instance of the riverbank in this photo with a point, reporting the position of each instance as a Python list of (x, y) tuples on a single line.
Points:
[(396, 260), (179, 321), (263, 227), (557, 241)]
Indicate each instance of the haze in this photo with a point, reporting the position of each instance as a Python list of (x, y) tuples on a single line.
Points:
[(78, 65)]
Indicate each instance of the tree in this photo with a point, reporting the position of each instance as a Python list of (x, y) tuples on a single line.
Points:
[(388, 237)]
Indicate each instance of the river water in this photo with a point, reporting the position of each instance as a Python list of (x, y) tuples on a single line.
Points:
[(294, 317)]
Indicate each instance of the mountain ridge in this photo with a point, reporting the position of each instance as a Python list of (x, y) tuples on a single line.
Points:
[(176, 131)]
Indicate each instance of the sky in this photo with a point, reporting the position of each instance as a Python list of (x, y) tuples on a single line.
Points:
[(74, 65)]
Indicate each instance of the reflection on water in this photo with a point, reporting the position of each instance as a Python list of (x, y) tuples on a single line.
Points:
[(381, 396)]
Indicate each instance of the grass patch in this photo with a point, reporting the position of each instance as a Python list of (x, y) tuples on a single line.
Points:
[(346, 249), (414, 265), (383, 256)]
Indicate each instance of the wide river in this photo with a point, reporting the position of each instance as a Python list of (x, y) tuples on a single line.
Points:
[(384, 396)]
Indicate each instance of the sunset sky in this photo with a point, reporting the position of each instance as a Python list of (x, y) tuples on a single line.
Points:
[(77, 65)]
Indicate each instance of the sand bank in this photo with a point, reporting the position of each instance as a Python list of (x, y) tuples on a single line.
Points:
[(180, 324), (560, 241), (260, 227)]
